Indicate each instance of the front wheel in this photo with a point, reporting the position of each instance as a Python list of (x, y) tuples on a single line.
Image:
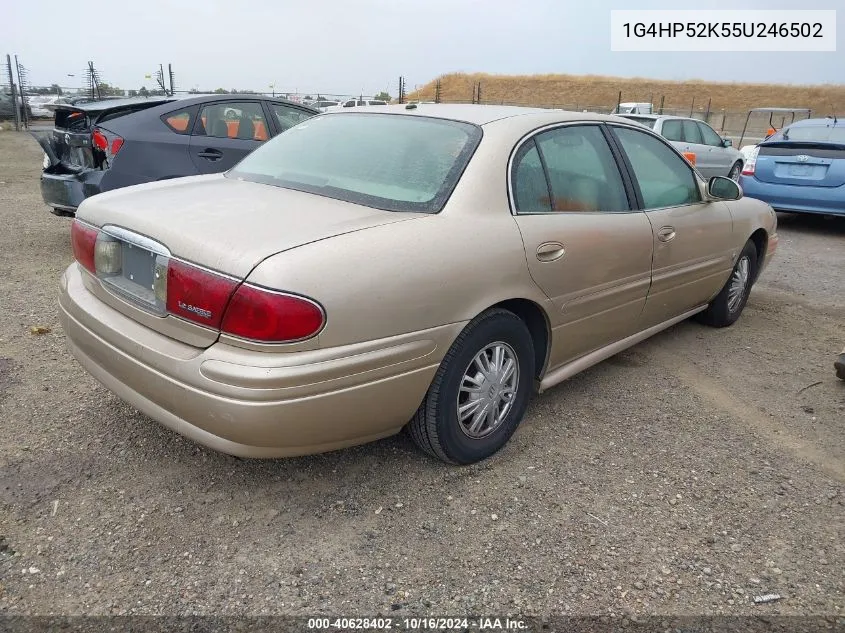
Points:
[(479, 393), (725, 309)]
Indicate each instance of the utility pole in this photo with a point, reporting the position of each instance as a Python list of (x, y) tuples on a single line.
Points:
[(172, 84), (401, 90)]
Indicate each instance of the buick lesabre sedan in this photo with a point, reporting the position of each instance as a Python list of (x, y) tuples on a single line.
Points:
[(426, 267)]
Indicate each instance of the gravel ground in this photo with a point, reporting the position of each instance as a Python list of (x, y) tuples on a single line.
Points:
[(684, 476)]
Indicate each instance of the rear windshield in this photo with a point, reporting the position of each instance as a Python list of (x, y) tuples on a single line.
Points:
[(812, 134), (387, 161), (641, 120)]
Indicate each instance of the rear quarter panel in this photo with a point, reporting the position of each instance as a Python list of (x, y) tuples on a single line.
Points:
[(405, 277), (151, 151)]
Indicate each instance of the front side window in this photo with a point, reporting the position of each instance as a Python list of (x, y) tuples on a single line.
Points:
[(692, 133), (710, 137), (236, 120), (581, 171), (665, 179), (390, 162)]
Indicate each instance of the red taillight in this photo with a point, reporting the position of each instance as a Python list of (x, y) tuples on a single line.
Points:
[(196, 294), (107, 142), (83, 238), (99, 140), (273, 317)]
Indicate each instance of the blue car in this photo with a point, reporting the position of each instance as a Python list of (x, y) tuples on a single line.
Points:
[(800, 169)]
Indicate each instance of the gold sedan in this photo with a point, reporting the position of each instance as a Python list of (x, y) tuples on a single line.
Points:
[(423, 266)]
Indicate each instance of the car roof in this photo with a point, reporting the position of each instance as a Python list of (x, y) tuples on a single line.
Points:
[(825, 122), (478, 114), (187, 100)]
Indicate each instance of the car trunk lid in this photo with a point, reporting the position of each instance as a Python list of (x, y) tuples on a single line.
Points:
[(68, 145), (223, 225), (801, 164)]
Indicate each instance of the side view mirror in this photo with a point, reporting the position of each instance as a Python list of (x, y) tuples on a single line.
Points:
[(727, 142), (722, 188)]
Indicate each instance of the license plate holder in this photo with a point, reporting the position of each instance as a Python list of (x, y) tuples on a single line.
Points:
[(800, 170)]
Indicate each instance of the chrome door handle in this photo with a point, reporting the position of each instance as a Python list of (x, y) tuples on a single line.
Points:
[(666, 234), (550, 251)]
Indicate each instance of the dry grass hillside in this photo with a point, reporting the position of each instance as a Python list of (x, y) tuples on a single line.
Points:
[(588, 92)]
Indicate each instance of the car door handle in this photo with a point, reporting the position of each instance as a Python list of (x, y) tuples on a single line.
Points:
[(211, 154), (550, 251), (666, 234)]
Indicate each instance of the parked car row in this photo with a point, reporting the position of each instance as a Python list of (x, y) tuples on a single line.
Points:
[(713, 155), (306, 299)]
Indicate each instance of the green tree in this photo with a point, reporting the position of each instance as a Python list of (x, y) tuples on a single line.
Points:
[(55, 89), (133, 93), (382, 96), (221, 91), (143, 92)]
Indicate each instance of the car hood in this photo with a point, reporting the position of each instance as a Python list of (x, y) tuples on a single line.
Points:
[(226, 224)]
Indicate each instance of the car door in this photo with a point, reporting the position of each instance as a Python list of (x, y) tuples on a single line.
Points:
[(721, 157), (695, 144), (285, 116), (225, 132), (587, 248), (693, 249)]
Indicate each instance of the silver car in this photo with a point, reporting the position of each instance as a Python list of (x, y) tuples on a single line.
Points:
[(714, 155)]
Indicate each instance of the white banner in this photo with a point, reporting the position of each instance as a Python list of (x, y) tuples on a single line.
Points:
[(723, 30)]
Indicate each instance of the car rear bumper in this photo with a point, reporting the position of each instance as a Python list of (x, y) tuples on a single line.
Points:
[(67, 191), (795, 198), (248, 403)]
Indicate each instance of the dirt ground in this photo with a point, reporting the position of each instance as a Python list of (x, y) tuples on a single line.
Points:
[(685, 476)]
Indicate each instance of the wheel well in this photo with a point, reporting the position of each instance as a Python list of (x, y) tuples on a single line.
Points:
[(761, 240), (535, 319)]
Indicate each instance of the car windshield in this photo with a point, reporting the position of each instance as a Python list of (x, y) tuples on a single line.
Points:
[(387, 161), (812, 134)]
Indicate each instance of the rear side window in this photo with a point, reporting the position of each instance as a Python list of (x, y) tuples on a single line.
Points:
[(581, 170), (672, 130), (242, 120), (179, 121)]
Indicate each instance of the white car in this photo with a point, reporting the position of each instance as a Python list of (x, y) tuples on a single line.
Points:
[(355, 103)]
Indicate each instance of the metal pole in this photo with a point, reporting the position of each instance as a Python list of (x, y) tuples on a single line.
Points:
[(170, 72), (662, 100), (707, 114), (22, 110), (14, 94), (618, 101), (692, 107)]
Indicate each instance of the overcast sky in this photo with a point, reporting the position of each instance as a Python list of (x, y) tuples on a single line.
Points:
[(354, 46)]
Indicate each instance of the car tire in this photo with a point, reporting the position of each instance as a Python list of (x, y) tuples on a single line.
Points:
[(725, 309), (496, 336), (735, 171)]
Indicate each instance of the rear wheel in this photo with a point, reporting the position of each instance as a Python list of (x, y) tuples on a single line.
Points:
[(735, 171), (479, 393), (725, 309)]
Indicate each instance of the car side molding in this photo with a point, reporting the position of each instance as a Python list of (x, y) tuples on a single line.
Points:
[(578, 365)]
